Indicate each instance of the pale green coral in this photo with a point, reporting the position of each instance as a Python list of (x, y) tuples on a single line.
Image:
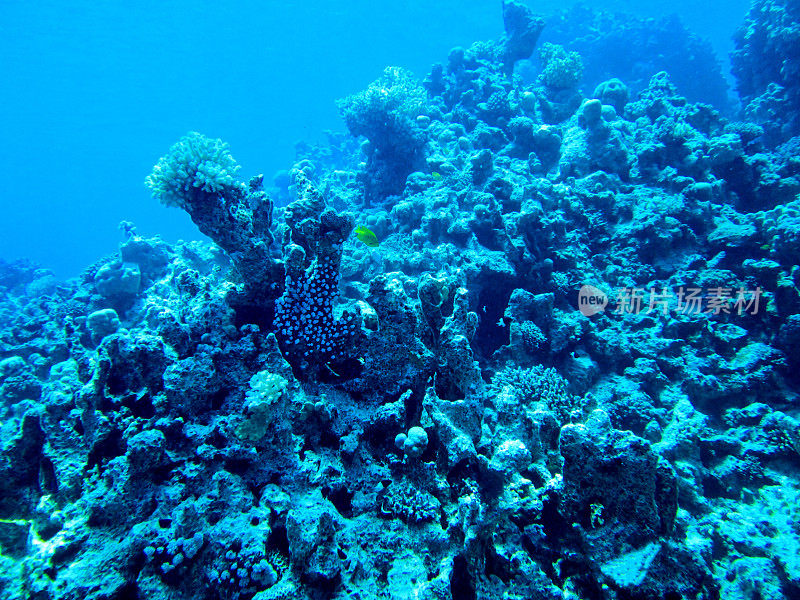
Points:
[(193, 163), (266, 387), (266, 390)]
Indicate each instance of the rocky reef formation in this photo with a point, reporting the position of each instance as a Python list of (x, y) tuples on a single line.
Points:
[(428, 410), (766, 64), (633, 49)]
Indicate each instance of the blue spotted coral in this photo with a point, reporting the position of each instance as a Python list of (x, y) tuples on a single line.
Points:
[(304, 317)]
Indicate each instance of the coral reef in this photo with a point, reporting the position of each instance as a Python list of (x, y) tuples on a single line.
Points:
[(566, 366), (390, 113)]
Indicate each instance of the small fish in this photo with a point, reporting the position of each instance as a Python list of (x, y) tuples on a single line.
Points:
[(367, 236), (436, 176)]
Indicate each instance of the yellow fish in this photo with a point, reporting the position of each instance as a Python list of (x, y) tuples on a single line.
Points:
[(436, 176), (367, 236)]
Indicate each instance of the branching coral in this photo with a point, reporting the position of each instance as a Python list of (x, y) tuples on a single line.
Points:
[(194, 163), (261, 400), (562, 69), (539, 385), (386, 114), (199, 175), (389, 103)]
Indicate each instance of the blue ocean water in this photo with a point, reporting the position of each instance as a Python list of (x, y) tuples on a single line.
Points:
[(417, 300), (92, 89)]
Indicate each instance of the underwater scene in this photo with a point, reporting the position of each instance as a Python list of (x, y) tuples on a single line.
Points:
[(523, 323)]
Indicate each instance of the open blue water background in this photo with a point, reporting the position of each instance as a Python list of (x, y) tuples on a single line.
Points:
[(92, 93)]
